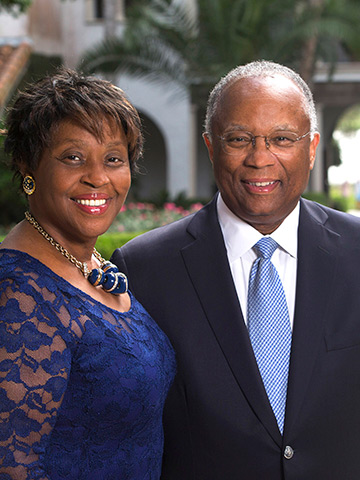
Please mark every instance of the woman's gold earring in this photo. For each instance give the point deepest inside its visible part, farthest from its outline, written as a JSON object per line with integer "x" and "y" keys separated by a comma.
{"x": 28, "y": 185}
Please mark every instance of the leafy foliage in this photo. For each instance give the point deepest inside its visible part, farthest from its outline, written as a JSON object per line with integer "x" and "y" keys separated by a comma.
{"x": 12, "y": 202}
{"x": 164, "y": 39}
{"x": 350, "y": 121}
{"x": 108, "y": 242}
{"x": 15, "y": 6}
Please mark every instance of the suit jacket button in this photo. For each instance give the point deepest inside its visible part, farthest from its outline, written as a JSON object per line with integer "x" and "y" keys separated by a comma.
{"x": 288, "y": 452}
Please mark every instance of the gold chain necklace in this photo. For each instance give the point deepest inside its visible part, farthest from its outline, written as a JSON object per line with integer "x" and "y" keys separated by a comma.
{"x": 108, "y": 275}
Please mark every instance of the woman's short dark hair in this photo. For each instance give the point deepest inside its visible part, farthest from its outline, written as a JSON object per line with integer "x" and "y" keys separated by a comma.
{"x": 67, "y": 95}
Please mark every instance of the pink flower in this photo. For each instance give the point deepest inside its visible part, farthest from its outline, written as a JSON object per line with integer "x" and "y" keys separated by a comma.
{"x": 196, "y": 206}
{"x": 170, "y": 206}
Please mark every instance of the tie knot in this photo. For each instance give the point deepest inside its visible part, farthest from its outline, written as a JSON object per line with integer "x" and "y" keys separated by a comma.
{"x": 266, "y": 247}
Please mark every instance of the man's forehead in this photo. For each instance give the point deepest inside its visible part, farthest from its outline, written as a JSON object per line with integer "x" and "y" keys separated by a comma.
{"x": 274, "y": 81}
{"x": 246, "y": 98}
{"x": 271, "y": 89}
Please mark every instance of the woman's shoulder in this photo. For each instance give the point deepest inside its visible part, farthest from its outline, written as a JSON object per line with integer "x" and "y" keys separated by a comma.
{"x": 26, "y": 277}
{"x": 13, "y": 255}
{"x": 21, "y": 265}
{"x": 15, "y": 264}
{"x": 28, "y": 290}
{"x": 26, "y": 274}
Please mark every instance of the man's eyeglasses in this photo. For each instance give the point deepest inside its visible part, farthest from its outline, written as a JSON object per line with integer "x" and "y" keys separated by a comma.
{"x": 239, "y": 142}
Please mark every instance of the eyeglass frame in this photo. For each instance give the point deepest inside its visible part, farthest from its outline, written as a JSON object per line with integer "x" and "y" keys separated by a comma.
{"x": 265, "y": 137}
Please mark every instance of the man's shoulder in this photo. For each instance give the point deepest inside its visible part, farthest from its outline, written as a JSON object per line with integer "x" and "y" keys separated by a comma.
{"x": 331, "y": 218}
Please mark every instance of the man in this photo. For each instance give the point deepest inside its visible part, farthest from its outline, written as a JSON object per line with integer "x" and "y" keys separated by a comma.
{"x": 222, "y": 418}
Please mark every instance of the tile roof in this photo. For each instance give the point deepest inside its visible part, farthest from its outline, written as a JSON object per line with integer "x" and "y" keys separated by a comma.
{"x": 13, "y": 61}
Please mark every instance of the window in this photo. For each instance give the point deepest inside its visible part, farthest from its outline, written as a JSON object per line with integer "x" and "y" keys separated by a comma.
{"x": 98, "y": 9}
{"x": 95, "y": 9}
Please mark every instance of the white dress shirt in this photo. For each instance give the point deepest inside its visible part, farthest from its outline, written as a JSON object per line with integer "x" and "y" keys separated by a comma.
{"x": 240, "y": 237}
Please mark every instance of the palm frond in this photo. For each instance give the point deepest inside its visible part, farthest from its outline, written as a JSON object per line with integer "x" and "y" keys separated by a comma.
{"x": 164, "y": 40}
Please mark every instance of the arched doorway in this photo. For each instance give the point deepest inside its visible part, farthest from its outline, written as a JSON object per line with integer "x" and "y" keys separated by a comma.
{"x": 333, "y": 97}
{"x": 150, "y": 182}
{"x": 344, "y": 174}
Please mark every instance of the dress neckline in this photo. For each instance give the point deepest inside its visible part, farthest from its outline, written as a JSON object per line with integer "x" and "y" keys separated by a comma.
{"x": 68, "y": 284}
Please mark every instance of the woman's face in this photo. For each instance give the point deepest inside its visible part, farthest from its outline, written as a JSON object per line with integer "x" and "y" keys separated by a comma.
{"x": 81, "y": 182}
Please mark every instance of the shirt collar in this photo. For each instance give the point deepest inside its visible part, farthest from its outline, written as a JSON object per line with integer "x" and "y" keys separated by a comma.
{"x": 240, "y": 237}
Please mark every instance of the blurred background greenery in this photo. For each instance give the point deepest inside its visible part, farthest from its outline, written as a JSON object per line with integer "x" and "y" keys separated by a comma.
{"x": 167, "y": 41}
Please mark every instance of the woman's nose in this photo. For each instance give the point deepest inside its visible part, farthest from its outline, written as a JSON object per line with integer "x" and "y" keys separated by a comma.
{"x": 95, "y": 174}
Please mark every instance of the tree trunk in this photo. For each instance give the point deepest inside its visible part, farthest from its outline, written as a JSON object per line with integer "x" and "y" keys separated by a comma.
{"x": 308, "y": 54}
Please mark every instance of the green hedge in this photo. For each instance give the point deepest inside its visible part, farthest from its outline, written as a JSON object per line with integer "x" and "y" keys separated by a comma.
{"x": 334, "y": 200}
{"x": 107, "y": 243}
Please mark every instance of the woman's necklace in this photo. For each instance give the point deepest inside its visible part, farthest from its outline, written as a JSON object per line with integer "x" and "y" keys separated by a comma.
{"x": 108, "y": 275}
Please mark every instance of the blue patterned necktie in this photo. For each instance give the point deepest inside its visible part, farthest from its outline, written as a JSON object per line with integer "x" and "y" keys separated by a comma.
{"x": 269, "y": 326}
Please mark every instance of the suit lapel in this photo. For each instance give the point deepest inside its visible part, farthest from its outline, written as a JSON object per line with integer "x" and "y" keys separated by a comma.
{"x": 207, "y": 264}
{"x": 317, "y": 261}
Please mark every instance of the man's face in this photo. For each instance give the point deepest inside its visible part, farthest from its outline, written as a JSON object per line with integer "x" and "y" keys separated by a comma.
{"x": 259, "y": 186}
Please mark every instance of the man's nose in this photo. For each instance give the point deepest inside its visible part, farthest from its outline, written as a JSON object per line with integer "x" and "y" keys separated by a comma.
{"x": 255, "y": 141}
{"x": 259, "y": 154}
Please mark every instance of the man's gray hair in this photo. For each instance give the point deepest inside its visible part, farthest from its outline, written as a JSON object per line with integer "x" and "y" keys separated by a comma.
{"x": 259, "y": 68}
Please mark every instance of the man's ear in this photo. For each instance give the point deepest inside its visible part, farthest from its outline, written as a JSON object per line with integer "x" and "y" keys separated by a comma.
{"x": 209, "y": 145}
{"x": 313, "y": 146}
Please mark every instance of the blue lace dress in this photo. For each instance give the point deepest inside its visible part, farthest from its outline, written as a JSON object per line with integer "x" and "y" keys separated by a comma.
{"x": 82, "y": 386}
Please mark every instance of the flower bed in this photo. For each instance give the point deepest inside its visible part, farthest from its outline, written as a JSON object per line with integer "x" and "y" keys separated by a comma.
{"x": 136, "y": 217}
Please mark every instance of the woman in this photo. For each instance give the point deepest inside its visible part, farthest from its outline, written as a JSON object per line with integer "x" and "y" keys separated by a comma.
{"x": 84, "y": 370}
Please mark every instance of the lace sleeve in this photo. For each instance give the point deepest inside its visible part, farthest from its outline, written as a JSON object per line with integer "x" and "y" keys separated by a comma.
{"x": 34, "y": 367}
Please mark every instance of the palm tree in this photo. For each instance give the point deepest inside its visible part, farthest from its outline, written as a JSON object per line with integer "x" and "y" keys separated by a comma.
{"x": 167, "y": 40}
{"x": 322, "y": 30}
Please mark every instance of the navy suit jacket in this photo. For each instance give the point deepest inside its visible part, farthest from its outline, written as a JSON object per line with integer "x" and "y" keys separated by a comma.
{"x": 218, "y": 421}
